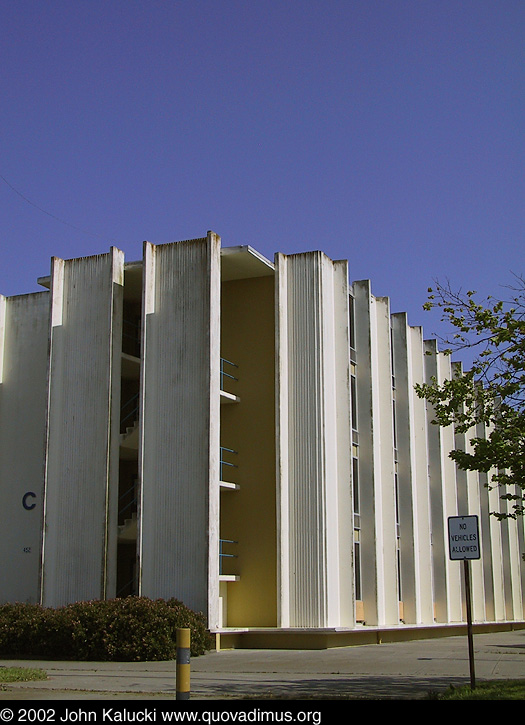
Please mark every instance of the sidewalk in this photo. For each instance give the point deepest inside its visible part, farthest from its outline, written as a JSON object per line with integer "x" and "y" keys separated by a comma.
{"x": 408, "y": 670}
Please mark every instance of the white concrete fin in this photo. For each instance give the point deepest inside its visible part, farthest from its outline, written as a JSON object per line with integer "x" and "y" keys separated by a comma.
{"x": 179, "y": 435}
{"x": 2, "y": 335}
{"x": 314, "y": 400}
{"x": 84, "y": 370}
{"x": 23, "y": 396}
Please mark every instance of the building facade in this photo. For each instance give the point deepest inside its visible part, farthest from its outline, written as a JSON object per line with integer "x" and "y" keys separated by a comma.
{"x": 242, "y": 435}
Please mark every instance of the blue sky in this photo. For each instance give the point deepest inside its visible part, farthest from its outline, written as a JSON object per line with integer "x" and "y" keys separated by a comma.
{"x": 386, "y": 132}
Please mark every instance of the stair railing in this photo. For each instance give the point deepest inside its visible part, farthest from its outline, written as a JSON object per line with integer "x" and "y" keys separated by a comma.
{"x": 226, "y": 366}
{"x": 223, "y": 555}
{"x": 129, "y": 411}
{"x": 223, "y": 462}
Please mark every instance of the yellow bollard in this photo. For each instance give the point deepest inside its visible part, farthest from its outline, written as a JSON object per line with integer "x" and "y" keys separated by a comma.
{"x": 183, "y": 664}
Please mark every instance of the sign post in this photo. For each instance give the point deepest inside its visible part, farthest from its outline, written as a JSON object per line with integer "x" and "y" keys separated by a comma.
{"x": 464, "y": 545}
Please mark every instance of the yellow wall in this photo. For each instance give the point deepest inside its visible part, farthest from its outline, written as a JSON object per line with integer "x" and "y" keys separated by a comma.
{"x": 248, "y": 515}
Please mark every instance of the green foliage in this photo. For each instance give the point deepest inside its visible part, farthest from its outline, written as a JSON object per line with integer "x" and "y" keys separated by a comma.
{"x": 494, "y": 690}
{"x": 130, "y": 629}
{"x": 487, "y": 401}
{"x": 21, "y": 674}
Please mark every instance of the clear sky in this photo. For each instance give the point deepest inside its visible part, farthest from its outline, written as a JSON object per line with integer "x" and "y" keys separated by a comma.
{"x": 386, "y": 132}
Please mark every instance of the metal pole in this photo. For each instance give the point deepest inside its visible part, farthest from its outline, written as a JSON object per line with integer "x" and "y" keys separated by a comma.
{"x": 183, "y": 664}
{"x": 466, "y": 568}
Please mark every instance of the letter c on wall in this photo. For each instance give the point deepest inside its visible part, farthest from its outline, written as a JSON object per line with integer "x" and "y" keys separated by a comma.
{"x": 25, "y": 504}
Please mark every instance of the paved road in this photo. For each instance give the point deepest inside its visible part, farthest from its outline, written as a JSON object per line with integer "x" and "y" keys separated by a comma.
{"x": 408, "y": 670}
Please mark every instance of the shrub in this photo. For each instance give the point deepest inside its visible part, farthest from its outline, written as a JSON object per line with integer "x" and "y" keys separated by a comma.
{"x": 129, "y": 629}
{"x": 20, "y": 627}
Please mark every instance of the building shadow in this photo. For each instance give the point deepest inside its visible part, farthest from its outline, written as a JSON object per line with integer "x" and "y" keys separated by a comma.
{"x": 335, "y": 688}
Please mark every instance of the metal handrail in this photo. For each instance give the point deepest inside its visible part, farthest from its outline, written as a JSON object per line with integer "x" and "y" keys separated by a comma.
{"x": 134, "y": 336}
{"x": 126, "y": 416}
{"x": 225, "y": 374}
{"x": 126, "y": 585}
{"x": 127, "y": 506}
{"x": 130, "y": 503}
{"x": 222, "y": 555}
{"x": 222, "y": 462}
{"x": 123, "y": 495}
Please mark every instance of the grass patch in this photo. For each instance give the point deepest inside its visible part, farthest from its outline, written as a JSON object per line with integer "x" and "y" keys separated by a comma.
{"x": 21, "y": 674}
{"x": 495, "y": 690}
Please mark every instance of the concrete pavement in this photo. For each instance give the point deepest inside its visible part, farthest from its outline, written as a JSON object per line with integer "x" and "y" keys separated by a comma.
{"x": 401, "y": 670}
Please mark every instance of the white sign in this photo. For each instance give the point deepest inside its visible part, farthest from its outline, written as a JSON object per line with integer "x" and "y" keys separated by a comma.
{"x": 463, "y": 537}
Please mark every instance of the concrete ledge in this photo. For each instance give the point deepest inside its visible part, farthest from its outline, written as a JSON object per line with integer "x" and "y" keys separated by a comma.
{"x": 317, "y": 639}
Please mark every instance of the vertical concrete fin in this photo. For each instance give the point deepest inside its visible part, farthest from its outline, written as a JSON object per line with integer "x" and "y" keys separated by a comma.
{"x": 343, "y": 435}
{"x": 2, "y": 336}
{"x": 214, "y": 356}
{"x": 24, "y": 321}
{"x": 180, "y": 418}
{"x": 109, "y": 560}
{"x": 443, "y": 496}
{"x": 148, "y": 280}
{"x": 376, "y": 456}
{"x": 314, "y": 414}
{"x": 412, "y": 474}
{"x": 282, "y": 457}
{"x": 83, "y": 400}
{"x": 57, "y": 291}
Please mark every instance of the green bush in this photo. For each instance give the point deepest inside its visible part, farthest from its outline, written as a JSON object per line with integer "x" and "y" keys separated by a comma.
{"x": 20, "y": 627}
{"x": 130, "y": 629}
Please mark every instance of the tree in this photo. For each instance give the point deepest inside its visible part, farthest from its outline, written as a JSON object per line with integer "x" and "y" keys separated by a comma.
{"x": 492, "y": 392}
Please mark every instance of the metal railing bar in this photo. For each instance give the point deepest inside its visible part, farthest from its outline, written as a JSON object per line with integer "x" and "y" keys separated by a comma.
{"x": 223, "y": 555}
{"x": 225, "y": 374}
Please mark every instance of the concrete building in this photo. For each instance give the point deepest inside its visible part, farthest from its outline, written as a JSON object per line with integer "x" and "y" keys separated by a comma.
{"x": 242, "y": 435}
